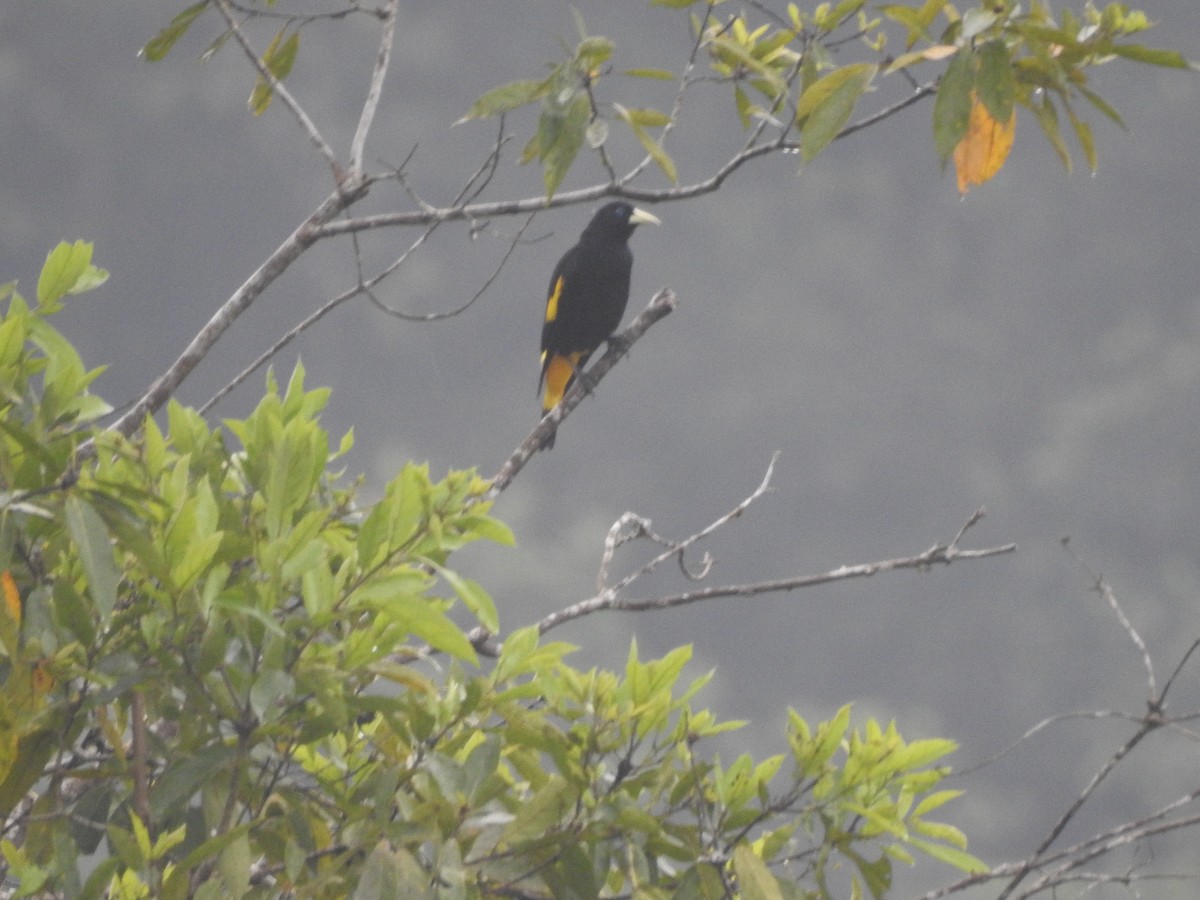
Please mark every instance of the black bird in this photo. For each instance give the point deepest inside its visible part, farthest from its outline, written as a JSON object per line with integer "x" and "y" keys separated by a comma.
{"x": 587, "y": 297}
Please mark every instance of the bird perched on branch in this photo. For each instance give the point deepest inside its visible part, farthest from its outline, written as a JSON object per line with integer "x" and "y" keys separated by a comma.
{"x": 587, "y": 297}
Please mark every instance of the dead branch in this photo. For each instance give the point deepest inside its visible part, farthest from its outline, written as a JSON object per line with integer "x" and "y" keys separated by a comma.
{"x": 938, "y": 554}
{"x": 608, "y": 599}
{"x": 383, "y": 56}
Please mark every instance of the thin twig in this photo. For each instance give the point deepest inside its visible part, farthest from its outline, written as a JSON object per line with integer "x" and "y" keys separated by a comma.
{"x": 277, "y": 88}
{"x": 680, "y": 547}
{"x": 276, "y": 264}
{"x": 938, "y": 554}
{"x": 1097, "y": 779}
{"x": 386, "y": 41}
{"x": 1162, "y": 698}
{"x": 1105, "y": 590}
{"x": 366, "y": 285}
{"x": 513, "y": 243}
{"x": 1041, "y": 726}
{"x": 685, "y": 81}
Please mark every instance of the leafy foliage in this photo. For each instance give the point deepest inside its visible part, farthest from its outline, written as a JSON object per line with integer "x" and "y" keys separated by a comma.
{"x": 998, "y": 52}
{"x": 791, "y": 72}
{"x": 221, "y": 678}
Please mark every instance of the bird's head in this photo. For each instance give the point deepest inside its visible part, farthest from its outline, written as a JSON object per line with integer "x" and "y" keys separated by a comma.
{"x": 618, "y": 219}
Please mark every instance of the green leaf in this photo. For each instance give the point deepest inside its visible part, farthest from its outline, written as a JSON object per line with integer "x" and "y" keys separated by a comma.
{"x": 734, "y": 54}
{"x": 126, "y": 846}
{"x": 390, "y": 873}
{"x": 488, "y": 529}
{"x": 653, "y": 147}
{"x": 541, "y": 813}
{"x": 1047, "y": 117}
{"x": 278, "y": 58}
{"x": 827, "y": 19}
{"x": 233, "y": 862}
{"x": 950, "y": 855}
{"x": 505, "y": 98}
{"x": 932, "y": 801}
{"x": 908, "y": 17}
{"x": 829, "y": 736}
{"x": 186, "y": 776}
{"x": 561, "y": 131}
{"x": 745, "y": 108}
{"x": 517, "y": 646}
{"x": 474, "y": 598}
{"x": 160, "y": 45}
{"x": 920, "y": 753}
{"x": 421, "y": 618}
{"x": 1171, "y": 59}
{"x": 656, "y": 74}
{"x": 673, "y": 4}
{"x": 940, "y": 831}
{"x": 68, "y": 270}
{"x": 95, "y": 552}
{"x": 952, "y": 108}
{"x": 826, "y": 105}
{"x": 877, "y": 874}
{"x": 1101, "y": 104}
{"x": 592, "y": 52}
{"x": 1083, "y": 132}
{"x": 207, "y": 851}
{"x": 996, "y": 84}
{"x": 755, "y": 880}
{"x": 22, "y": 870}
{"x": 647, "y": 118}
{"x": 292, "y": 476}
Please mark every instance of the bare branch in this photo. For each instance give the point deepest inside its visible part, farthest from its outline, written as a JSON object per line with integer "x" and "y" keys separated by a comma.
{"x": 628, "y": 528}
{"x": 1162, "y": 698}
{"x": 366, "y": 285}
{"x": 943, "y": 554}
{"x": 1106, "y": 842}
{"x": 606, "y": 599}
{"x": 1067, "y": 860}
{"x": 386, "y": 41}
{"x": 1041, "y": 726}
{"x": 241, "y": 300}
{"x": 514, "y": 242}
{"x": 1104, "y": 771}
{"x": 678, "y": 549}
{"x": 1103, "y": 588}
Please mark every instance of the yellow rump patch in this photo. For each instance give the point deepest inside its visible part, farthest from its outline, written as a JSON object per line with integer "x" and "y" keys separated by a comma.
{"x": 552, "y": 303}
{"x": 558, "y": 374}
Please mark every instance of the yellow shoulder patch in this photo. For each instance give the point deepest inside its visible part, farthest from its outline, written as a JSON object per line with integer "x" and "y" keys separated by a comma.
{"x": 552, "y": 303}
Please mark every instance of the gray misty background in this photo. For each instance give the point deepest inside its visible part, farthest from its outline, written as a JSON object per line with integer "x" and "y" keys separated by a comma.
{"x": 1034, "y": 349}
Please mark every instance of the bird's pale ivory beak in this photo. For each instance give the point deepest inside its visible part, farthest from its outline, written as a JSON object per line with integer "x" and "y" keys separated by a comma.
{"x": 641, "y": 217}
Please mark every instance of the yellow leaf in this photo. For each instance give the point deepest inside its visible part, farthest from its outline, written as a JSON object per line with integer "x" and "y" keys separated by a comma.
{"x": 938, "y": 51}
{"x": 982, "y": 151}
{"x": 12, "y": 598}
